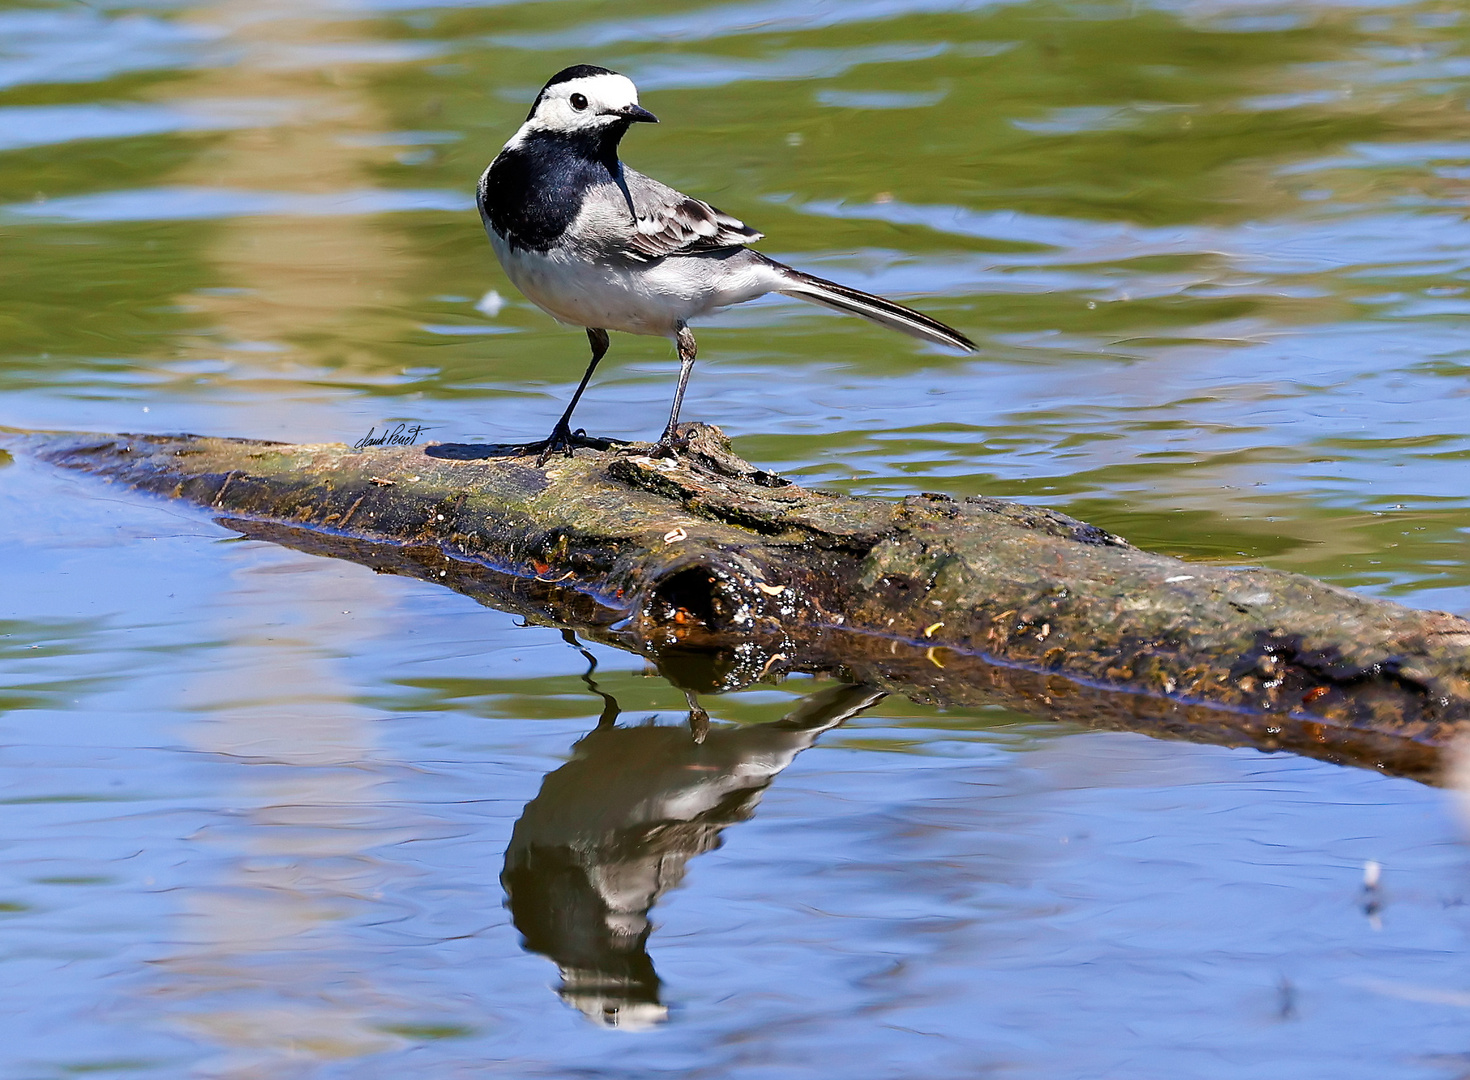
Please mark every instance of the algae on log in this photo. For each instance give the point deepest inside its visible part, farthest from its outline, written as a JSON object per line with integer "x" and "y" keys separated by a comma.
{"x": 950, "y": 602}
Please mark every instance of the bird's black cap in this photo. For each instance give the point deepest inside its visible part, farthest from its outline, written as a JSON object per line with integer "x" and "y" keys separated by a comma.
{"x": 576, "y": 71}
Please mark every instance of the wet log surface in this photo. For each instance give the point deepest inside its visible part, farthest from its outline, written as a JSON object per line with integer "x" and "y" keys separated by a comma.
{"x": 725, "y": 574}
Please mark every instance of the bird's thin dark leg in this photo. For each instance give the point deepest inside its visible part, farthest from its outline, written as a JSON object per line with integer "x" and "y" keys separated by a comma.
{"x": 685, "y": 342}
{"x": 610, "y": 709}
{"x": 561, "y": 435}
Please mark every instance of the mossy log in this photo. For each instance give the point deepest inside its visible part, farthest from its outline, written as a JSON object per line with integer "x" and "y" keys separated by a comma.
{"x": 974, "y": 602}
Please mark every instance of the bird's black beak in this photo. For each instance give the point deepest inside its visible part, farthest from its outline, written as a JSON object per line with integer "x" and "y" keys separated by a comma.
{"x": 637, "y": 114}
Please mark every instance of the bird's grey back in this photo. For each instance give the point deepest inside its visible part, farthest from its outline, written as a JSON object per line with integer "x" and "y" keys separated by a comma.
{"x": 668, "y": 222}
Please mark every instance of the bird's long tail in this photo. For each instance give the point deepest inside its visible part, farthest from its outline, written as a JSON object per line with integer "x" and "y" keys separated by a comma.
{"x": 854, "y": 302}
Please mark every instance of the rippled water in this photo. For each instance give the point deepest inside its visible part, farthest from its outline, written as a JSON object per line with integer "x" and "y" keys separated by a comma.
{"x": 261, "y": 810}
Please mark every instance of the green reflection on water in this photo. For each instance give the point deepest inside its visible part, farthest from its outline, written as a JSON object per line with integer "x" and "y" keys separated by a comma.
{"x": 1108, "y": 198}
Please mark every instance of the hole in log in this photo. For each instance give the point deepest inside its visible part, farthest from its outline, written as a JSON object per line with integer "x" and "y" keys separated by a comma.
{"x": 687, "y": 597}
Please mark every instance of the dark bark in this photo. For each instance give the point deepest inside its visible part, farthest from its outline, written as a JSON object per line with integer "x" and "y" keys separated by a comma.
{"x": 971, "y": 602}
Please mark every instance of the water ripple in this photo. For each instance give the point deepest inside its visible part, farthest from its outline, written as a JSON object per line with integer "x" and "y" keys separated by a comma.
{"x": 730, "y": 20}
{"x": 83, "y": 46}
{"x": 691, "y": 71}
{"x": 196, "y": 203}
{"x": 1423, "y": 242}
{"x": 43, "y": 125}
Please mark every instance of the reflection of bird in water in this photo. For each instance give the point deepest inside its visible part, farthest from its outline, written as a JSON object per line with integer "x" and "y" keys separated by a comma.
{"x": 611, "y": 830}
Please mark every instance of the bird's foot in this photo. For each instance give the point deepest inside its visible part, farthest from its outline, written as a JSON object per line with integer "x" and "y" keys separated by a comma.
{"x": 670, "y": 445}
{"x": 562, "y": 438}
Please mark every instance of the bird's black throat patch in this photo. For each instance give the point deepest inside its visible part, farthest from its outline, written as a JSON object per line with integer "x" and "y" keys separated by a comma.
{"x": 533, "y": 192}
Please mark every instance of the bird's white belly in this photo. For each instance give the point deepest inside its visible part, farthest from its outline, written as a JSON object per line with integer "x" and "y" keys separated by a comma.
{"x": 650, "y": 298}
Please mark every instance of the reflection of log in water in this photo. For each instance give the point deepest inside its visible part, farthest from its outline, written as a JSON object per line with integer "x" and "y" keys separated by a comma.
{"x": 612, "y": 830}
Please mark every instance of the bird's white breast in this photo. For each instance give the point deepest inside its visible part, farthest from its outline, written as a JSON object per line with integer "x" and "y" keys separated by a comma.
{"x": 579, "y": 282}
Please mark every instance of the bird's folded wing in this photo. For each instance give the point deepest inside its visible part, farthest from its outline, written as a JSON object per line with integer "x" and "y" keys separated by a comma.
{"x": 668, "y": 222}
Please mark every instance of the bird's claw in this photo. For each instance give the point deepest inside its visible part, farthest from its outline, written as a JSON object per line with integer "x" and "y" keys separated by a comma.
{"x": 561, "y": 438}
{"x": 669, "y": 446}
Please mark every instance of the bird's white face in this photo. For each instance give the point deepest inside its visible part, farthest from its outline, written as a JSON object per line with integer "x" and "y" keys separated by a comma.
{"x": 587, "y": 104}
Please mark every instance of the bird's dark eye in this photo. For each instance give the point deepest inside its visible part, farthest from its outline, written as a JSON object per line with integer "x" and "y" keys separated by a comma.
{"x": 579, "y": 102}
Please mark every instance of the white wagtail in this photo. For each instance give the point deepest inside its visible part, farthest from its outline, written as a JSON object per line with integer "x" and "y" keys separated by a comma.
{"x": 599, "y": 245}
